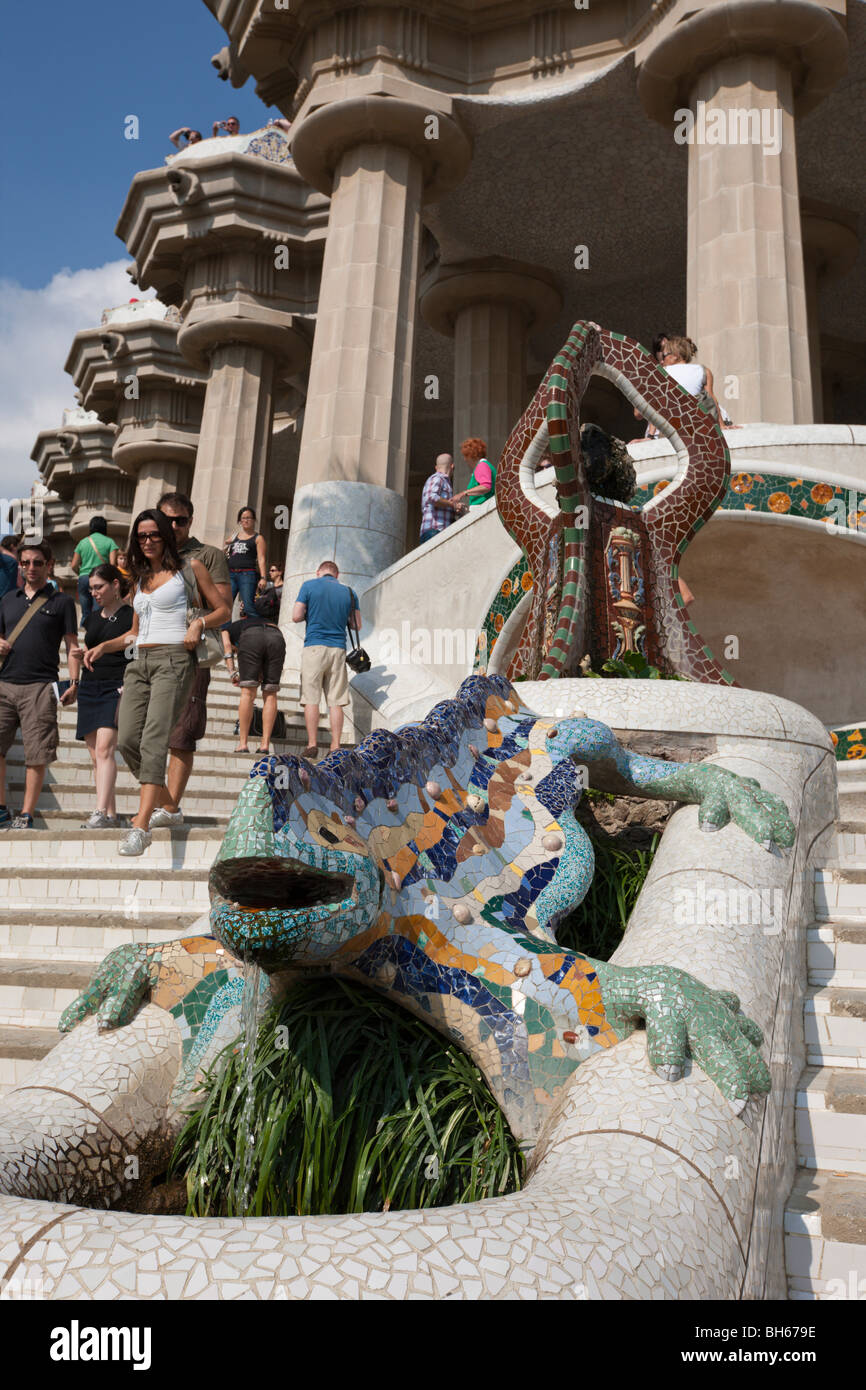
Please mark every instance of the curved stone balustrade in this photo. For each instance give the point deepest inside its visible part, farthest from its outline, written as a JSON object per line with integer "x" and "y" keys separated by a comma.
{"x": 758, "y": 575}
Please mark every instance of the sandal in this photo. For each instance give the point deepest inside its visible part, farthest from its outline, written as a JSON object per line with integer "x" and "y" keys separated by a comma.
{"x": 311, "y": 751}
{"x": 243, "y": 750}
{"x": 266, "y": 751}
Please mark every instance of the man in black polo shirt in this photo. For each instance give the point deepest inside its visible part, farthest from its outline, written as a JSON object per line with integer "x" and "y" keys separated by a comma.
{"x": 29, "y": 669}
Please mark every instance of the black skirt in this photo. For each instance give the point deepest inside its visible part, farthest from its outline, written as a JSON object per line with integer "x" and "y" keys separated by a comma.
{"x": 97, "y": 706}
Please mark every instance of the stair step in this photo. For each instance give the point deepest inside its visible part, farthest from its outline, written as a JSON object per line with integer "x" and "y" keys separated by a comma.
{"x": 86, "y": 932}
{"x": 825, "y": 1236}
{"x": 830, "y": 1119}
{"x": 26, "y": 1043}
{"x": 840, "y": 890}
{"x": 29, "y": 851}
{"x": 836, "y": 953}
{"x": 835, "y": 1026}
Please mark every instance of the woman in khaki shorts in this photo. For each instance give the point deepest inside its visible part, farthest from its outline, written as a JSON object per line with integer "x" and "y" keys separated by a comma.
{"x": 163, "y": 644}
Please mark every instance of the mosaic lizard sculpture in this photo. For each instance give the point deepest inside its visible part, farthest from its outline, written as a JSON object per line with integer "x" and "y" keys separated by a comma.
{"x": 434, "y": 864}
{"x": 602, "y": 575}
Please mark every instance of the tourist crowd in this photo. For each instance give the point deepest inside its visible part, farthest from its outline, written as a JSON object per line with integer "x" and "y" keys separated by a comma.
{"x": 155, "y": 619}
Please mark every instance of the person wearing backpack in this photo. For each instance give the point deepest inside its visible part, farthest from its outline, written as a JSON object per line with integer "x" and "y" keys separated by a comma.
{"x": 93, "y": 550}
{"x": 163, "y": 670}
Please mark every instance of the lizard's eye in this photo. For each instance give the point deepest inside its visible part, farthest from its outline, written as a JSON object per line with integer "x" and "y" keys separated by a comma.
{"x": 553, "y": 733}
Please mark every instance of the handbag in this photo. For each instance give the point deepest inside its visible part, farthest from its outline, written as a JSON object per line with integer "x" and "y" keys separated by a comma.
{"x": 256, "y": 728}
{"x": 22, "y": 623}
{"x": 357, "y": 659}
{"x": 209, "y": 651}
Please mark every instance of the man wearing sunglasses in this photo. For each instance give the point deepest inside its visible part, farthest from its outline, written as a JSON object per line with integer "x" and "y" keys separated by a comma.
{"x": 192, "y": 721}
{"x": 30, "y": 669}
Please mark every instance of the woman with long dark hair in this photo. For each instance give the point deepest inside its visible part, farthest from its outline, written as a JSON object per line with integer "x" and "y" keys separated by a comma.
{"x": 161, "y": 674}
{"x": 101, "y": 687}
{"x": 247, "y": 560}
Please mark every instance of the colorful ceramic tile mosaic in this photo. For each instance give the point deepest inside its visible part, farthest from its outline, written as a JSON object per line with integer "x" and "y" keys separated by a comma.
{"x": 779, "y": 495}
{"x": 434, "y": 864}
{"x": 849, "y": 744}
{"x": 604, "y": 575}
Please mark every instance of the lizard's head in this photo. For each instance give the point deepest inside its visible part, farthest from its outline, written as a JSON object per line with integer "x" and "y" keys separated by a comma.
{"x": 273, "y": 906}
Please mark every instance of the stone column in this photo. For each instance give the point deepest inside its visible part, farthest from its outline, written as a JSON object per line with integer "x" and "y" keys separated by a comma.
{"x": 744, "y": 70}
{"x": 232, "y": 236}
{"x": 235, "y": 433}
{"x": 131, "y": 372}
{"x": 489, "y": 307}
{"x": 830, "y": 247}
{"x": 379, "y": 152}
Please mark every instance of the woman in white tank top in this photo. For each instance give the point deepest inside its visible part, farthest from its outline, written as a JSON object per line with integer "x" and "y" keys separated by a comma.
{"x": 163, "y": 644}
{"x": 696, "y": 379}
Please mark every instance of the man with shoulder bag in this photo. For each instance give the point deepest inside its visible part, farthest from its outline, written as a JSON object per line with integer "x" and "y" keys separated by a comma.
{"x": 34, "y": 620}
{"x": 329, "y": 609}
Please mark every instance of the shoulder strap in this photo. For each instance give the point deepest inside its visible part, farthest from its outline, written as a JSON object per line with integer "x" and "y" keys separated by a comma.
{"x": 354, "y": 639}
{"x": 24, "y": 620}
{"x": 189, "y": 579}
{"x": 97, "y": 552}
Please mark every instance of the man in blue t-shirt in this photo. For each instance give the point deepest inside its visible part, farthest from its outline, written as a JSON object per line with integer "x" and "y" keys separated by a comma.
{"x": 328, "y": 608}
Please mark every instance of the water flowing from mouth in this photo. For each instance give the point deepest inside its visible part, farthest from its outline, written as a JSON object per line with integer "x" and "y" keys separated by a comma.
{"x": 247, "y": 1135}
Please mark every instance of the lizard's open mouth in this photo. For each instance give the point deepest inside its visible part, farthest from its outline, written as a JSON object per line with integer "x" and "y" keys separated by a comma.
{"x": 257, "y": 883}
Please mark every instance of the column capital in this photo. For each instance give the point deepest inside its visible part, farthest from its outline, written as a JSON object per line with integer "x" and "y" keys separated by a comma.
{"x": 76, "y": 461}
{"x": 448, "y": 289}
{"x": 379, "y": 109}
{"x": 211, "y": 325}
{"x": 807, "y": 36}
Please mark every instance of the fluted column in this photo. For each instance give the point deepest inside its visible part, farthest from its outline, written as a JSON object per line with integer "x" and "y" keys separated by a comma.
{"x": 371, "y": 152}
{"x": 131, "y": 372}
{"x": 231, "y": 236}
{"x": 744, "y": 70}
{"x": 489, "y": 307}
{"x": 235, "y": 435}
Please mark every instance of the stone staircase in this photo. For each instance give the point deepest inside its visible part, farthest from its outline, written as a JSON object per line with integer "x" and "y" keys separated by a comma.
{"x": 825, "y": 1218}
{"x": 67, "y": 896}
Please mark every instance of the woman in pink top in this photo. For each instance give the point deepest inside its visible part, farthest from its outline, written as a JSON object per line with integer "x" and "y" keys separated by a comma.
{"x": 482, "y": 484}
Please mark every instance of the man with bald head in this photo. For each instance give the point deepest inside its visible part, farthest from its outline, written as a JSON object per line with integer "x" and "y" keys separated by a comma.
{"x": 439, "y": 506}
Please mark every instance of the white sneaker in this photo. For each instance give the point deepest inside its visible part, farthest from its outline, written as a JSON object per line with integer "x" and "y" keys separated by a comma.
{"x": 135, "y": 841}
{"x": 100, "y": 820}
{"x": 162, "y": 817}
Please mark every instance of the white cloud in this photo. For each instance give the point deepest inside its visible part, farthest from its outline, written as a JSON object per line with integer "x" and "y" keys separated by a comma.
{"x": 36, "y": 332}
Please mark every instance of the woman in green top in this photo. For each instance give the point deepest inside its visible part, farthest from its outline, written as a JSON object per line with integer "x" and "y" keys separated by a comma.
{"x": 94, "y": 550}
{"x": 482, "y": 484}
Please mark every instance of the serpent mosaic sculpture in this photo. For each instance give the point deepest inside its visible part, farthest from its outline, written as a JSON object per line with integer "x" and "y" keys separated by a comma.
{"x": 434, "y": 864}
{"x": 603, "y": 575}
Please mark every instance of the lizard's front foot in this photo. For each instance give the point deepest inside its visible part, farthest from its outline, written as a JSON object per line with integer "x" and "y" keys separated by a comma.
{"x": 724, "y": 796}
{"x": 685, "y": 1018}
{"x": 116, "y": 990}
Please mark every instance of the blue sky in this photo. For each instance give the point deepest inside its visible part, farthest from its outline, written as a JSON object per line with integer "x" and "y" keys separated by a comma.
{"x": 72, "y": 74}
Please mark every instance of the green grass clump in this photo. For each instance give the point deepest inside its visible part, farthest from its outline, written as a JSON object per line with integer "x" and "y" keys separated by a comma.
{"x": 366, "y": 1109}
{"x": 596, "y": 927}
